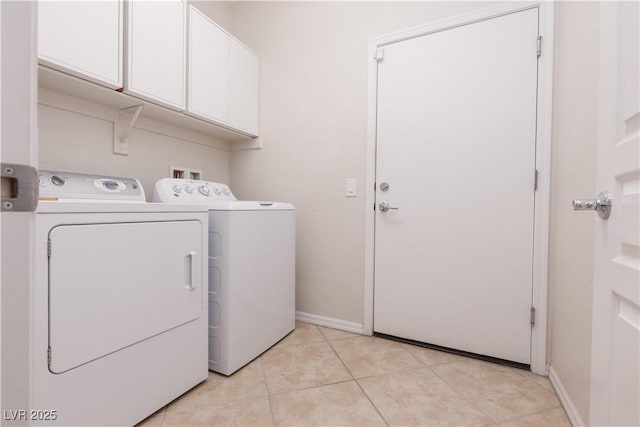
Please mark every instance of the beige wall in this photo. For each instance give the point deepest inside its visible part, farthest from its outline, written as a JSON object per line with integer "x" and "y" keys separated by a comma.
{"x": 218, "y": 11}
{"x": 80, "y": 143}
{"x": 574, "y": 176}
{"x": 313, "y": 117}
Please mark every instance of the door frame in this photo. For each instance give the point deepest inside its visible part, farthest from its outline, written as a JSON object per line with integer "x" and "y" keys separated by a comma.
{"x": 543, "y": 160}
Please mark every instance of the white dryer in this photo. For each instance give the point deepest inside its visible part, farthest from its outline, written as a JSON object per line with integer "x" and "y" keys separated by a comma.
{"x": 120, "y": 313}
{"x": 251, "y": 270}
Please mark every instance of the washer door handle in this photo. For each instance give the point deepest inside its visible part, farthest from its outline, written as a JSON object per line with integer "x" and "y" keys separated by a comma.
{"x": 192, "y": 271}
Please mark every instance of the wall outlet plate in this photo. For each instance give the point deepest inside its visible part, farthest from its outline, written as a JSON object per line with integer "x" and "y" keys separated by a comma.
{"x": 180, "y": 172}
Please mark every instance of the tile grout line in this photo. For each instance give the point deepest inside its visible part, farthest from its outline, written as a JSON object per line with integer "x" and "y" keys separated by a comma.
{"x": 463, "y": 396}
{"x": 325, "y": 341}
{"x": 552, "y": 390}
{"x": 279, "y": 393}
{"x": 522, "y": 375}
{"x": 266, "y": 385}
{"x": 164, "y": 411}
{"x": 536, "y": 412}
{"x": 386, "y": 423}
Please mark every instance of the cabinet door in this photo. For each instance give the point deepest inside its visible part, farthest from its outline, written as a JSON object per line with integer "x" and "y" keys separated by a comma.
{"x": 156, "y": 51}
{"x": 83, "y": 39}
{"x": 208, "y": 87}
{"x": 244, "y": 88}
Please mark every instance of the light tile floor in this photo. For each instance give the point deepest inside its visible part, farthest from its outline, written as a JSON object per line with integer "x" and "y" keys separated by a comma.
{"x": 324, "y": 377}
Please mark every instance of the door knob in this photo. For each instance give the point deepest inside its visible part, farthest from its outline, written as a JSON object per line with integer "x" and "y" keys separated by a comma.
{"x": 602, "y": 204}
{"x": 384, "y": 206}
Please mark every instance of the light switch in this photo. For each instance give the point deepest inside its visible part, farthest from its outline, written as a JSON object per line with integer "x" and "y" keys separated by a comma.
{"x": 351, "y": 187}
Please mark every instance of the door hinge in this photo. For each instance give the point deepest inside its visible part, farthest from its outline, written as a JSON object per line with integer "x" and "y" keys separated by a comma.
{"x": 533, "y": 316}
{"x": 49, "y": 248}
{"x": 535, "y": 180}
{"x": 49, "y": 356}
{"x": 379, "y": 55}
{"x": 539, "y": 46}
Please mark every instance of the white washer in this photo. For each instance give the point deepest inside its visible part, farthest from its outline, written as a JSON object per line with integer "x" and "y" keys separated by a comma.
{"x": 120, "y": 313}
{"x": 251, "y": 270}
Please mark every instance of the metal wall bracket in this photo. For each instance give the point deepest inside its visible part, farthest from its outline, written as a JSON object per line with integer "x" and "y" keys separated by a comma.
{"x": 20, "y": 186}
{"x": 125, "y": 121}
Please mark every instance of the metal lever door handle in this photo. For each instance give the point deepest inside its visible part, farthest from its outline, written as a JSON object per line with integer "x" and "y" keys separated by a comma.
{"x": 384, "y": 206}
{"x": 602, "y": 204}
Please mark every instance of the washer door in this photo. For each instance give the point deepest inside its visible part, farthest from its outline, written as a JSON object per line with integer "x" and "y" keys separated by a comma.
{"x": 113, "y": 285}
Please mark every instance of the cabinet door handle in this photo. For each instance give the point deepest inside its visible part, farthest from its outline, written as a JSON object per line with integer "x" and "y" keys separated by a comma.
{"x": 192, "y": 271}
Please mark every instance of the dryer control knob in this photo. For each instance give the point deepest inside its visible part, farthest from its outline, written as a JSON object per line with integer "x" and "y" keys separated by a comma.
{"x": 188, "y": 189}
{"x": 226, "y": 192}
{"x": 177, "y": 188}
{"x": 204, "y": 190}
{"x": 56, "y": 180}
{"x": 217, "y": 191}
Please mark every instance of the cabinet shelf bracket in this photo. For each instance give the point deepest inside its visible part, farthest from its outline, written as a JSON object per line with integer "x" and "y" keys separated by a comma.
{"x": 122, "y": 126}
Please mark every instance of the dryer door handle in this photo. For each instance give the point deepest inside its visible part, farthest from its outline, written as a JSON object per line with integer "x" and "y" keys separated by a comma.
{"x": 192, "y": 271}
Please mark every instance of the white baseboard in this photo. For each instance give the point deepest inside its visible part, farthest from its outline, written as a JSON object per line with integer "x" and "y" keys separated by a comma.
{"x": 567, "y": 403}
{"x": 330, "y": 322}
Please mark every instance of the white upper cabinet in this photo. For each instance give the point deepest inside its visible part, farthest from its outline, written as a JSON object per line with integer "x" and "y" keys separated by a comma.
{"x": 156, "y": 47}
{"x": 82, "y": 38}
{"x": 244, "y": 88}
{"x": 223, "y": 77}
{"x": 166, "y": 53}
{"x": 208, "y": 84}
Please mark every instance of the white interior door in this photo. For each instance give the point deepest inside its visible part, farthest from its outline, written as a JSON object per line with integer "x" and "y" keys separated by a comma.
{"x": 615, "y": 374}
{"x": 18, "y": 77}
{"x": 456, "y": 136}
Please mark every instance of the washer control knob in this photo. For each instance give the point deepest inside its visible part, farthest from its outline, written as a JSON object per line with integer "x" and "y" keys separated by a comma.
{"x": 111, "y": 185}
{"x": 188, "y": 189}
{"x": 204, "y": 190}
{"x": 226, "y": 192}
{"x": 177, "y": 188}
{"x": 218, "y": 191}
{"x": 56, "y": 180}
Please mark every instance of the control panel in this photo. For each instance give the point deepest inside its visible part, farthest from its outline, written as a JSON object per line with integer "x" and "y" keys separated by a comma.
{"x": 190, "y": 191}
{"x": 71, "y": 185}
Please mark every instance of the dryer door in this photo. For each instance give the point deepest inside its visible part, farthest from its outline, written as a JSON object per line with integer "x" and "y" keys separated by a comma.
{"x": 113, "y": 285}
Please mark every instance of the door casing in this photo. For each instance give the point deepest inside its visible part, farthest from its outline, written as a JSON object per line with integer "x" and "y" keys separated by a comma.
{"x": 543, "y": 161}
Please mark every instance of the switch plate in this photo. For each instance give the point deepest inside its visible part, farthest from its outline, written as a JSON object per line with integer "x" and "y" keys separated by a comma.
{"x": 352, "y": 184}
